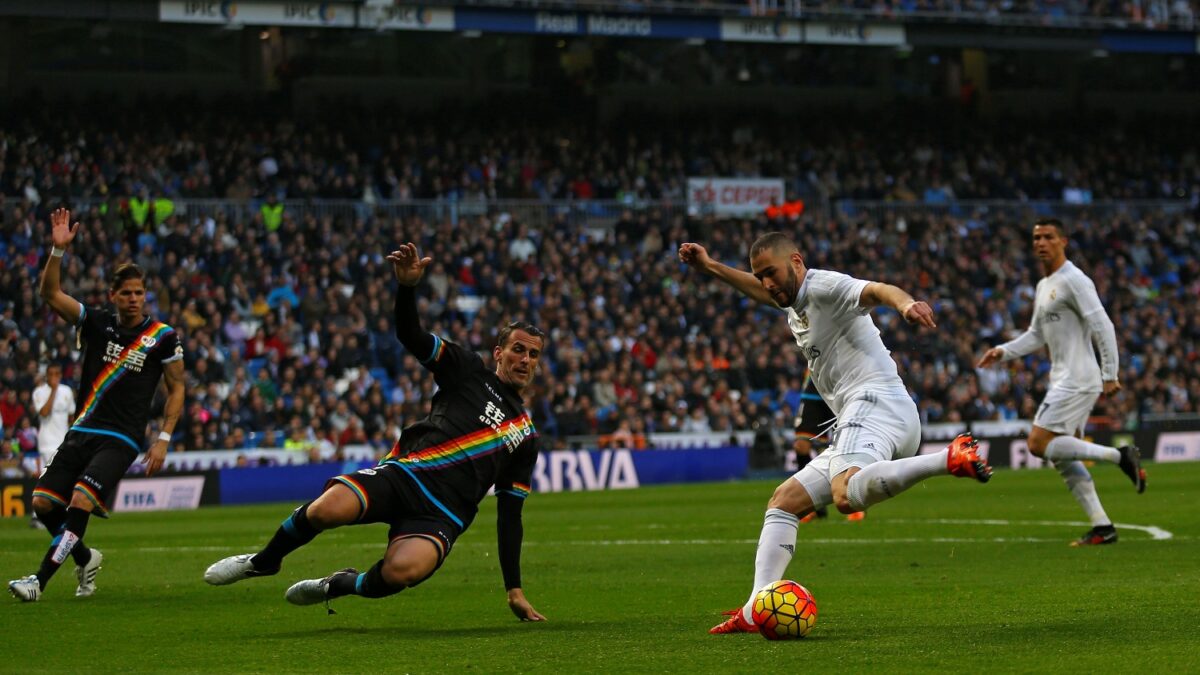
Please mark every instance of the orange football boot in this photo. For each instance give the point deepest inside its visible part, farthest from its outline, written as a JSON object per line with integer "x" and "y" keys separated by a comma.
{"x": 734, "y": 624}
{"x": 964, "y": 461}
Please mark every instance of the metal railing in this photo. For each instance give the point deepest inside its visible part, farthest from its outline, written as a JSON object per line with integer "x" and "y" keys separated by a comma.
{"x": 1011, "y": 209}
{"x": 537, "y": 213}
{"x": 600, "y": 214}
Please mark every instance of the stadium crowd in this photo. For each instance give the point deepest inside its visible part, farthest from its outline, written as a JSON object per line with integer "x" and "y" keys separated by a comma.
{"x": 182, "y": 149}
{"x": 287, "y": 320}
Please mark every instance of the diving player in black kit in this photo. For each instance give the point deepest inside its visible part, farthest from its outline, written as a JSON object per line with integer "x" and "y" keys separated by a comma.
{"x": 429, "y": 486}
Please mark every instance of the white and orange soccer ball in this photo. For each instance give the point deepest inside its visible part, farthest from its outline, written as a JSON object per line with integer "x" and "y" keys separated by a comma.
{"x": 784, "y": 610}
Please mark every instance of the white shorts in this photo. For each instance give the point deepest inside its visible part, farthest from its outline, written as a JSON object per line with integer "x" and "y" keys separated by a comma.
{"x": 32, "y": 465}
{"x": 1065, "y": 412}
{"x": 873, "y": 427}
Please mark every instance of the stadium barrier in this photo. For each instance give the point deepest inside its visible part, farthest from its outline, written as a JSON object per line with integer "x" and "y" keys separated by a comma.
{"x": 557, "y": 471}
{"x": 171, "y": 490}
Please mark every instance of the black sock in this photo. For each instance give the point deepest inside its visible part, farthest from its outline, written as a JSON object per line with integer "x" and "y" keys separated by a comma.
{"x": 53, "y": 520}
{"x": 74, "y": 525}
{"x": 295, "y": 532}
{"x": 370, "y": 584}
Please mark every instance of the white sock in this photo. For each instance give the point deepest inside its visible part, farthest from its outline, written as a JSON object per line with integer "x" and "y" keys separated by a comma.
{"x": 776, "y": 544}
{"x": 1069, "y": 448}
{"x": 884, "y": 480}
{"x": 1080, "y": 483}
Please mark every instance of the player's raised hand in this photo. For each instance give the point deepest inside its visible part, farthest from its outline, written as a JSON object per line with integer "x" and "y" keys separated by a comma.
{"x": 694, "y": 255}
{"x": 919, "y": 312}
{"x": 408, "y": 264}
{"x": 61, "y": 229}
{"x": 989, "y": 357}
{"x": 521, "y": 607}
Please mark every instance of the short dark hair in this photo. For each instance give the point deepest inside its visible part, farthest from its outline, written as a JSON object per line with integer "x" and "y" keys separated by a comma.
{"x": 773, "y": 241}
{"x": 1052, "y": 222}
{"x": 125, "y": 272}
{"x": 505, "y": 333}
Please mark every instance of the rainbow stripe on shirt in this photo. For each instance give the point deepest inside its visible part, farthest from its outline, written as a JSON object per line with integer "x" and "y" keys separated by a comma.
{"x": 114, "y": 371}
{"x": 464, "y": 448}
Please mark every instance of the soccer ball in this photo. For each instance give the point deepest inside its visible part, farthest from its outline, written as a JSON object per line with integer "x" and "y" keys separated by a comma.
{"x": 784, "y": 610}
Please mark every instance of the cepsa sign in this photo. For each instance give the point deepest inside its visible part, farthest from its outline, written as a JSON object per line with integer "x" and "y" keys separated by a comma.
{"x": 733, "y": 196}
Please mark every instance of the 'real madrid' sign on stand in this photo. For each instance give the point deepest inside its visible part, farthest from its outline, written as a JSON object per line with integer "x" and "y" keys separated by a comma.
{"x": 733, "y": 196}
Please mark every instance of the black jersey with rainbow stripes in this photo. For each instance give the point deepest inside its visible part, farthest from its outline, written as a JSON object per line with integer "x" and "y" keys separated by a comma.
{"x": 121, "y": 370}
{"x": 478, "y": 435}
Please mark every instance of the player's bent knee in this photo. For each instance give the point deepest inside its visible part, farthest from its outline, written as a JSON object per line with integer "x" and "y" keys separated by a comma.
{"x": 406, "y": 571}
{"x": 790, "y": 496}
{"x": 336, "y": 507}
{"x": 842, "y": 502}
{"x": 41, "y": 505}
{"x": 79, "y": 501}
{"x": 1037, "y": 444}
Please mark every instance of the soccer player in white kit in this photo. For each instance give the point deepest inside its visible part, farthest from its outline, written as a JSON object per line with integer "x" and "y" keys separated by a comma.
{"x": 873, "y": 455}
{"x": 54, "y": 402}
{"x": 1068, "y": 318}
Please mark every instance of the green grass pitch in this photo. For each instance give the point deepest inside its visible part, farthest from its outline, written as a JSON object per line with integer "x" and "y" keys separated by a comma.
{"x": 951, "y": 576}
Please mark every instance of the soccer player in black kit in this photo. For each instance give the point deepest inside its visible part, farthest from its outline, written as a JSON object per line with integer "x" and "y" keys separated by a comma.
{"x": 478, "y": 435}
{"x": 125, "y": 353}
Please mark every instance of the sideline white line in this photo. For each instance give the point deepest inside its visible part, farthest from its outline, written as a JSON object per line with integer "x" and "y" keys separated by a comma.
{"x": 1153, "y": 531}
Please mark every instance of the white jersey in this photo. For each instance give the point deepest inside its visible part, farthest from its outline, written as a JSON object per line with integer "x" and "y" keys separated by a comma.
{"x": 844, "y": 351}
{"x": 52, "y": 429}
{"x": 1067, "y": 316}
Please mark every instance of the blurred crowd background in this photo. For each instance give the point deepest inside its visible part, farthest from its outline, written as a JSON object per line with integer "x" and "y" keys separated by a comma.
{"x": 285, "y": 304}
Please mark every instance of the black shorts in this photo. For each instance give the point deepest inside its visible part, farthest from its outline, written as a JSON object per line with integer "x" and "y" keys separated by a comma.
{"x": 388, "y": 495}
{"x": 90, "y": 464}
{"x": 814, "y": 418}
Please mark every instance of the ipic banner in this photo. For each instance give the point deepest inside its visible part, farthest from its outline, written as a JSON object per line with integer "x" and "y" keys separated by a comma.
{"x": 854, "y": 33}
{"x": 406, "y": 17}
{"x": 733, "y": 196}
{"x": 750, "y": 29}
{"x": 262, "y": 13}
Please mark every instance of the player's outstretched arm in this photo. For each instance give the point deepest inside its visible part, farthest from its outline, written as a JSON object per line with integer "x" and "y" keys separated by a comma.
{"x": 990, "y": 357}
{"x": 696, "y": 257}
{"x": 408, "y": 264}
{"x": 62, "y": 232}
{"x": 510, "y": 532}
{"x": 875, "y": 294}
{"x": 1026, "y": 343}
{"x": 409, "y": 267}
